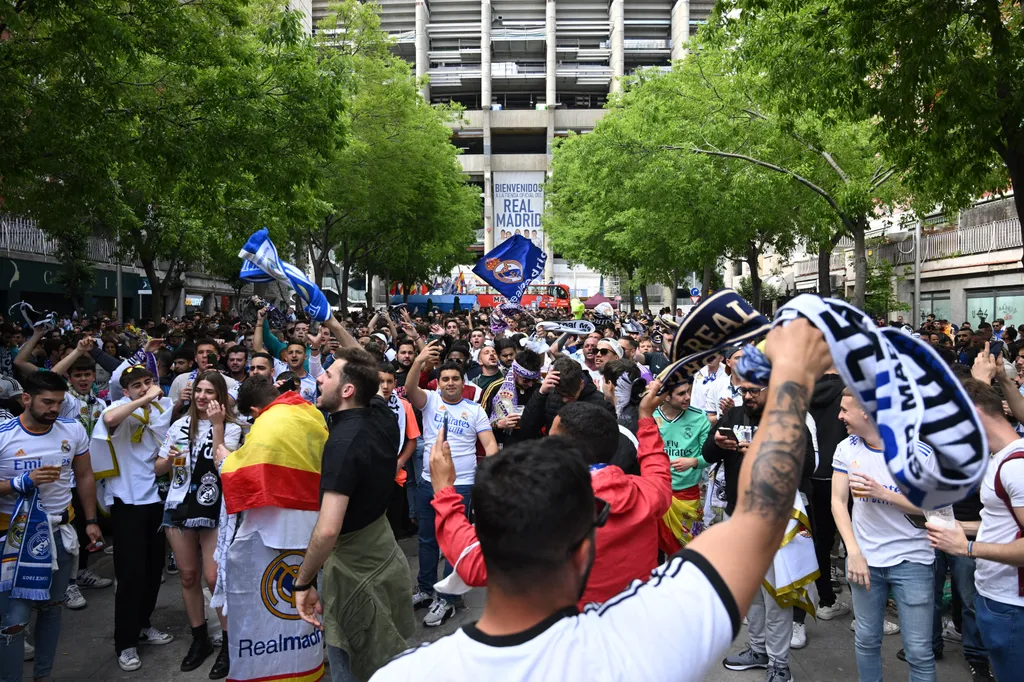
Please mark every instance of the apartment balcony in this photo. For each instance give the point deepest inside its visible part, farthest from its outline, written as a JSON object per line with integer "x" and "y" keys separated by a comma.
{"x": 577, "y": 119}
{"x": 968, "y": 241}
{"x": 21, "y": 236}
{"x": 472, "y": 164}
{"x": 519, "y": 118}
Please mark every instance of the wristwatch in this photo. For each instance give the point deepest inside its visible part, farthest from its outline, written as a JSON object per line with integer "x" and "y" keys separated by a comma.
{"x": 92, "y": 522}
{"x": 303, "y": 588}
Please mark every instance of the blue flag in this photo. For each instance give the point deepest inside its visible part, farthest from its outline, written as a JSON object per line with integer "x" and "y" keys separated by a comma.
{"x": 262, "y": 264}
{"x": 511, "y": 266}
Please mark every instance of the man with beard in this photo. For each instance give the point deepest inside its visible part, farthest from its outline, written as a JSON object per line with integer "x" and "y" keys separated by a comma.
{"x": 403, "y": 362}
{"x": 490, "y": 371}
{"x": 38, "y": 453}
{"x": 507, "y": 350}
{"x": 505, "y": 401}
{"x": 237, "y": 358}
{"x": 771, "y": 627}
{"x": 352, "y": 540}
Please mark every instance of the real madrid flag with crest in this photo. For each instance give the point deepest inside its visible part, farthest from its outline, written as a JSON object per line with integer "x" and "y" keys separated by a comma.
{"x": 511, "y": 266}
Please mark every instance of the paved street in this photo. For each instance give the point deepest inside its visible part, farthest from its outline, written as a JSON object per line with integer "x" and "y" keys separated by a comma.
{"x": 86, "y": 645}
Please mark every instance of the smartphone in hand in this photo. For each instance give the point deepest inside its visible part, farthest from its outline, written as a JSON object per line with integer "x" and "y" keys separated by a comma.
{"x": 728, "y": 433}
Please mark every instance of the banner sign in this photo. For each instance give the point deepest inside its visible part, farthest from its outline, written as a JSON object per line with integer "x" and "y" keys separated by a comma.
{"x": 519, "y": 206}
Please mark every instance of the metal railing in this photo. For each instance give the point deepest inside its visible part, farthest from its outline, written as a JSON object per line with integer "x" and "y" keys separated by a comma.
{"x": 21, "y": 235}
{"x": 967, "y": 241}
{"x": 810, "y": 267}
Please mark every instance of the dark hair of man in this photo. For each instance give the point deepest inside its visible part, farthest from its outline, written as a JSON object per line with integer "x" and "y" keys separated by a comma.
{"x": 134, "y": 374}
{"x": 530, "y": 360}
{"x": 208, "y": 342}
{"x": 296, "y": 343}
{"x": 405, "y": 341}
{"x": 41, "y": 382}
{"x": 459, "y": 347}
{"x": 533, "y": 504}
{"x": 984, "y": 397}
{"x": 592, "y": 428}
{"x": 503, "y": 343}
{"x": 266, "y": 356}
{"x": 614, "y": 369}
{"x": 451, "y": 366}
{"x": 374, "y": 350}
{"x": 164, "y": 358}
{"x": 53, "y": 345}
{"x": 256, "y": 391}
{"x": 360, "y": 371}
{"x": 237, "y": 349}
{"x": 984, "y": 325}
{"x": 160, "y": 331}
{"x": 570, "y": 376}
{"x": 83, "y": 363}
{"x": 386, "y": 368}
{"x": 628, "y": 340}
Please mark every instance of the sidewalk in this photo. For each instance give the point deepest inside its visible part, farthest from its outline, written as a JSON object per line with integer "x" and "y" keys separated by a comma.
{"x": 86, "y": 649}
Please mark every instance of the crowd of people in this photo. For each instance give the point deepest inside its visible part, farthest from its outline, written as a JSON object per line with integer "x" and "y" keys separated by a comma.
{"x": 597, "y": 504}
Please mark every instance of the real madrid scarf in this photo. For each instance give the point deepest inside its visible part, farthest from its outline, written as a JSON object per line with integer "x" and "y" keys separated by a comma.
{"x": 907, "y": 390}
{"x": 194, "y": 497}
{"x": 28, "y": 557}
{"x": 395, "y": 403}
{"x": 506, "y": 400}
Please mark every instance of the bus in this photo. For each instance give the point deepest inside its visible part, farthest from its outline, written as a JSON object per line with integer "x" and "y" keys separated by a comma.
{"x": 536, "y": 296}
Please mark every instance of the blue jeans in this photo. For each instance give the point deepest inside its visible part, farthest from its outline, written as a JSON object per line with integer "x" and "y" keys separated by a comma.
{"x": 341, "y": 669}
{"x": 16, "y": 613}
{"x": 414, "y": 467}
{"x": 912, "y": 587}
{"x": 1002, "y": 630}
{"x": 430, "y": 554}
{"x": 962, "y": 569}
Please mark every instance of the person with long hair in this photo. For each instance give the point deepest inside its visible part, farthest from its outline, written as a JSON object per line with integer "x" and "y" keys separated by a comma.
{"x": 192, "y": 508}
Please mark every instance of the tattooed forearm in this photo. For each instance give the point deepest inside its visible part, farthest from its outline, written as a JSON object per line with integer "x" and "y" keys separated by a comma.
{"x": 779, "y": 457}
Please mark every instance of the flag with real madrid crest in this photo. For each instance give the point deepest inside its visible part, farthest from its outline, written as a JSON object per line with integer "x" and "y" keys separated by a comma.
{"x": 511, "y": 266}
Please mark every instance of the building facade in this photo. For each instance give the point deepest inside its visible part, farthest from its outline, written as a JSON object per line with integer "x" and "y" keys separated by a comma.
{"x": 528, "y": 72}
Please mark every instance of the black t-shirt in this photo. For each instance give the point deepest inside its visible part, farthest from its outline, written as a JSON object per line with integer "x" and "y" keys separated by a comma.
{"x": 360, "y": 460}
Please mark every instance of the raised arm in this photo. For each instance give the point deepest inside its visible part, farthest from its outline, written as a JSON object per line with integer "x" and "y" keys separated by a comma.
{"x": 22, "y": 362}
{"x": 114, "y": 415}
{"x": 655, "y": 480}
{"x": 426, "y": 360}
{"x": 257, "y": 333}
{"x": 345, "y": 339}
{"x": 742, "y": 548}
{"x": 85, "y": 345}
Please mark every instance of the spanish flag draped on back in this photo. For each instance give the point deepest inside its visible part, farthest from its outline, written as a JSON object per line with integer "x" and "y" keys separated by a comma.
{"x": 279, "y": 464}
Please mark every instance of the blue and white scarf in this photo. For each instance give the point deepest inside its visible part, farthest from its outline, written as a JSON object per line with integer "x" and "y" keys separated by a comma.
{"x": 262, "y": 264}
{"x": 28, "y": 556}
{"x": 906, "y": 389}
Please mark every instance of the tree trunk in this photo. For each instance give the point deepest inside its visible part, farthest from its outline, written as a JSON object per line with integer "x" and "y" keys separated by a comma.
{"x": 860, "y": 263}
{"x": 824, "y": 270}
{"x": 343, "y": 284}
{"x": 644, "y": 302}
{"x": 705, "y": 280}
{"x": 157, "y": 285}
{"x": 1015, "y": 166}
{"x": 755, "y": 277}
{"x": 369, "y": 291}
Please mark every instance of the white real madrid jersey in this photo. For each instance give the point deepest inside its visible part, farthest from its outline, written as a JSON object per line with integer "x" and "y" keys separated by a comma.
{"x": 22, "y": 451}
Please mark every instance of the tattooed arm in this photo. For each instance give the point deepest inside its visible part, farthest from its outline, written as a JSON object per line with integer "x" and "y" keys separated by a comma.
{"x": 742, "y": 548}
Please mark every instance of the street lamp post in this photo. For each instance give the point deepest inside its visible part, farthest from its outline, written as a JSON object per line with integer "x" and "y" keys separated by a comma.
{"x": 120, "y": 294}
{"x": 917, "y": 274}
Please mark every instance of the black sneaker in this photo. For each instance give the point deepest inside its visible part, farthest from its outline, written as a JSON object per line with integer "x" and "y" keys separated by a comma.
{"x": 198, "y": 652}
{"x": 980, "y": 672}
{"x": 221, "y": 666}
{"x": 901, "y": 654}
{"x": 172, "y": 565}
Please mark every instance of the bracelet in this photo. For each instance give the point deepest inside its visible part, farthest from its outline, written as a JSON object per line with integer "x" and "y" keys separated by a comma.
{"x": 970, "y": 548}
{"x": 303, "y": 588}
{"x": 92, "y": 522}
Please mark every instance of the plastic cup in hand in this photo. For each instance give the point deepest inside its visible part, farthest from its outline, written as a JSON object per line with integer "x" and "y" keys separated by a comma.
{"x": 943, "y": 516}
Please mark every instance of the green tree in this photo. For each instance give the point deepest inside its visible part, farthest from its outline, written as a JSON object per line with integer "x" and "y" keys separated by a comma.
{"x": 942, "y": 81}
{"x": 881, "y": 299}
{"x": 394, "y": 200}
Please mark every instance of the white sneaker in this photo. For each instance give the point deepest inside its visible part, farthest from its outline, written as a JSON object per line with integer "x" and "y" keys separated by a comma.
{"x": 129, "y": 660}
{"x": 890, "y": 628}
{"x": 151, "y": 635}
{"x": 30, "y": 652}
{"x": 440, "y": 611}
{"x": 87, "y": 580}
{"x": 73, "y": 598}
{"x": 834, "y": 611}
{"x": 949, "y": 631}
{"x": 799, "y": 638}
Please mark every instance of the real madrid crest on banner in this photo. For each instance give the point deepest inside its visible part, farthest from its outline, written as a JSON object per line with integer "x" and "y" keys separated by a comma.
{"x": 208, "y": 492}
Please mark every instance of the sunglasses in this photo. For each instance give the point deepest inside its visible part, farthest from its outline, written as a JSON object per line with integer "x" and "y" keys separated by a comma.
{"x": 754, "y": 392}
{"x": 605, "y": 351}
{"x": 602, "y": 509}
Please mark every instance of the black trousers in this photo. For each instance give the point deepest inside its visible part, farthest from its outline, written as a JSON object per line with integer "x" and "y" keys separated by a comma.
{"x": 824, "y": 535}
{"x": 139, "y": 547}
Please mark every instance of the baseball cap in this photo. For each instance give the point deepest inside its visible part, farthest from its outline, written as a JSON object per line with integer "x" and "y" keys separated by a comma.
{"x": 9, "y": 388}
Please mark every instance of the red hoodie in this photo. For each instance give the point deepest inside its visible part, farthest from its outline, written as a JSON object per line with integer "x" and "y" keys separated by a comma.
{"x": 627, "y": 545}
